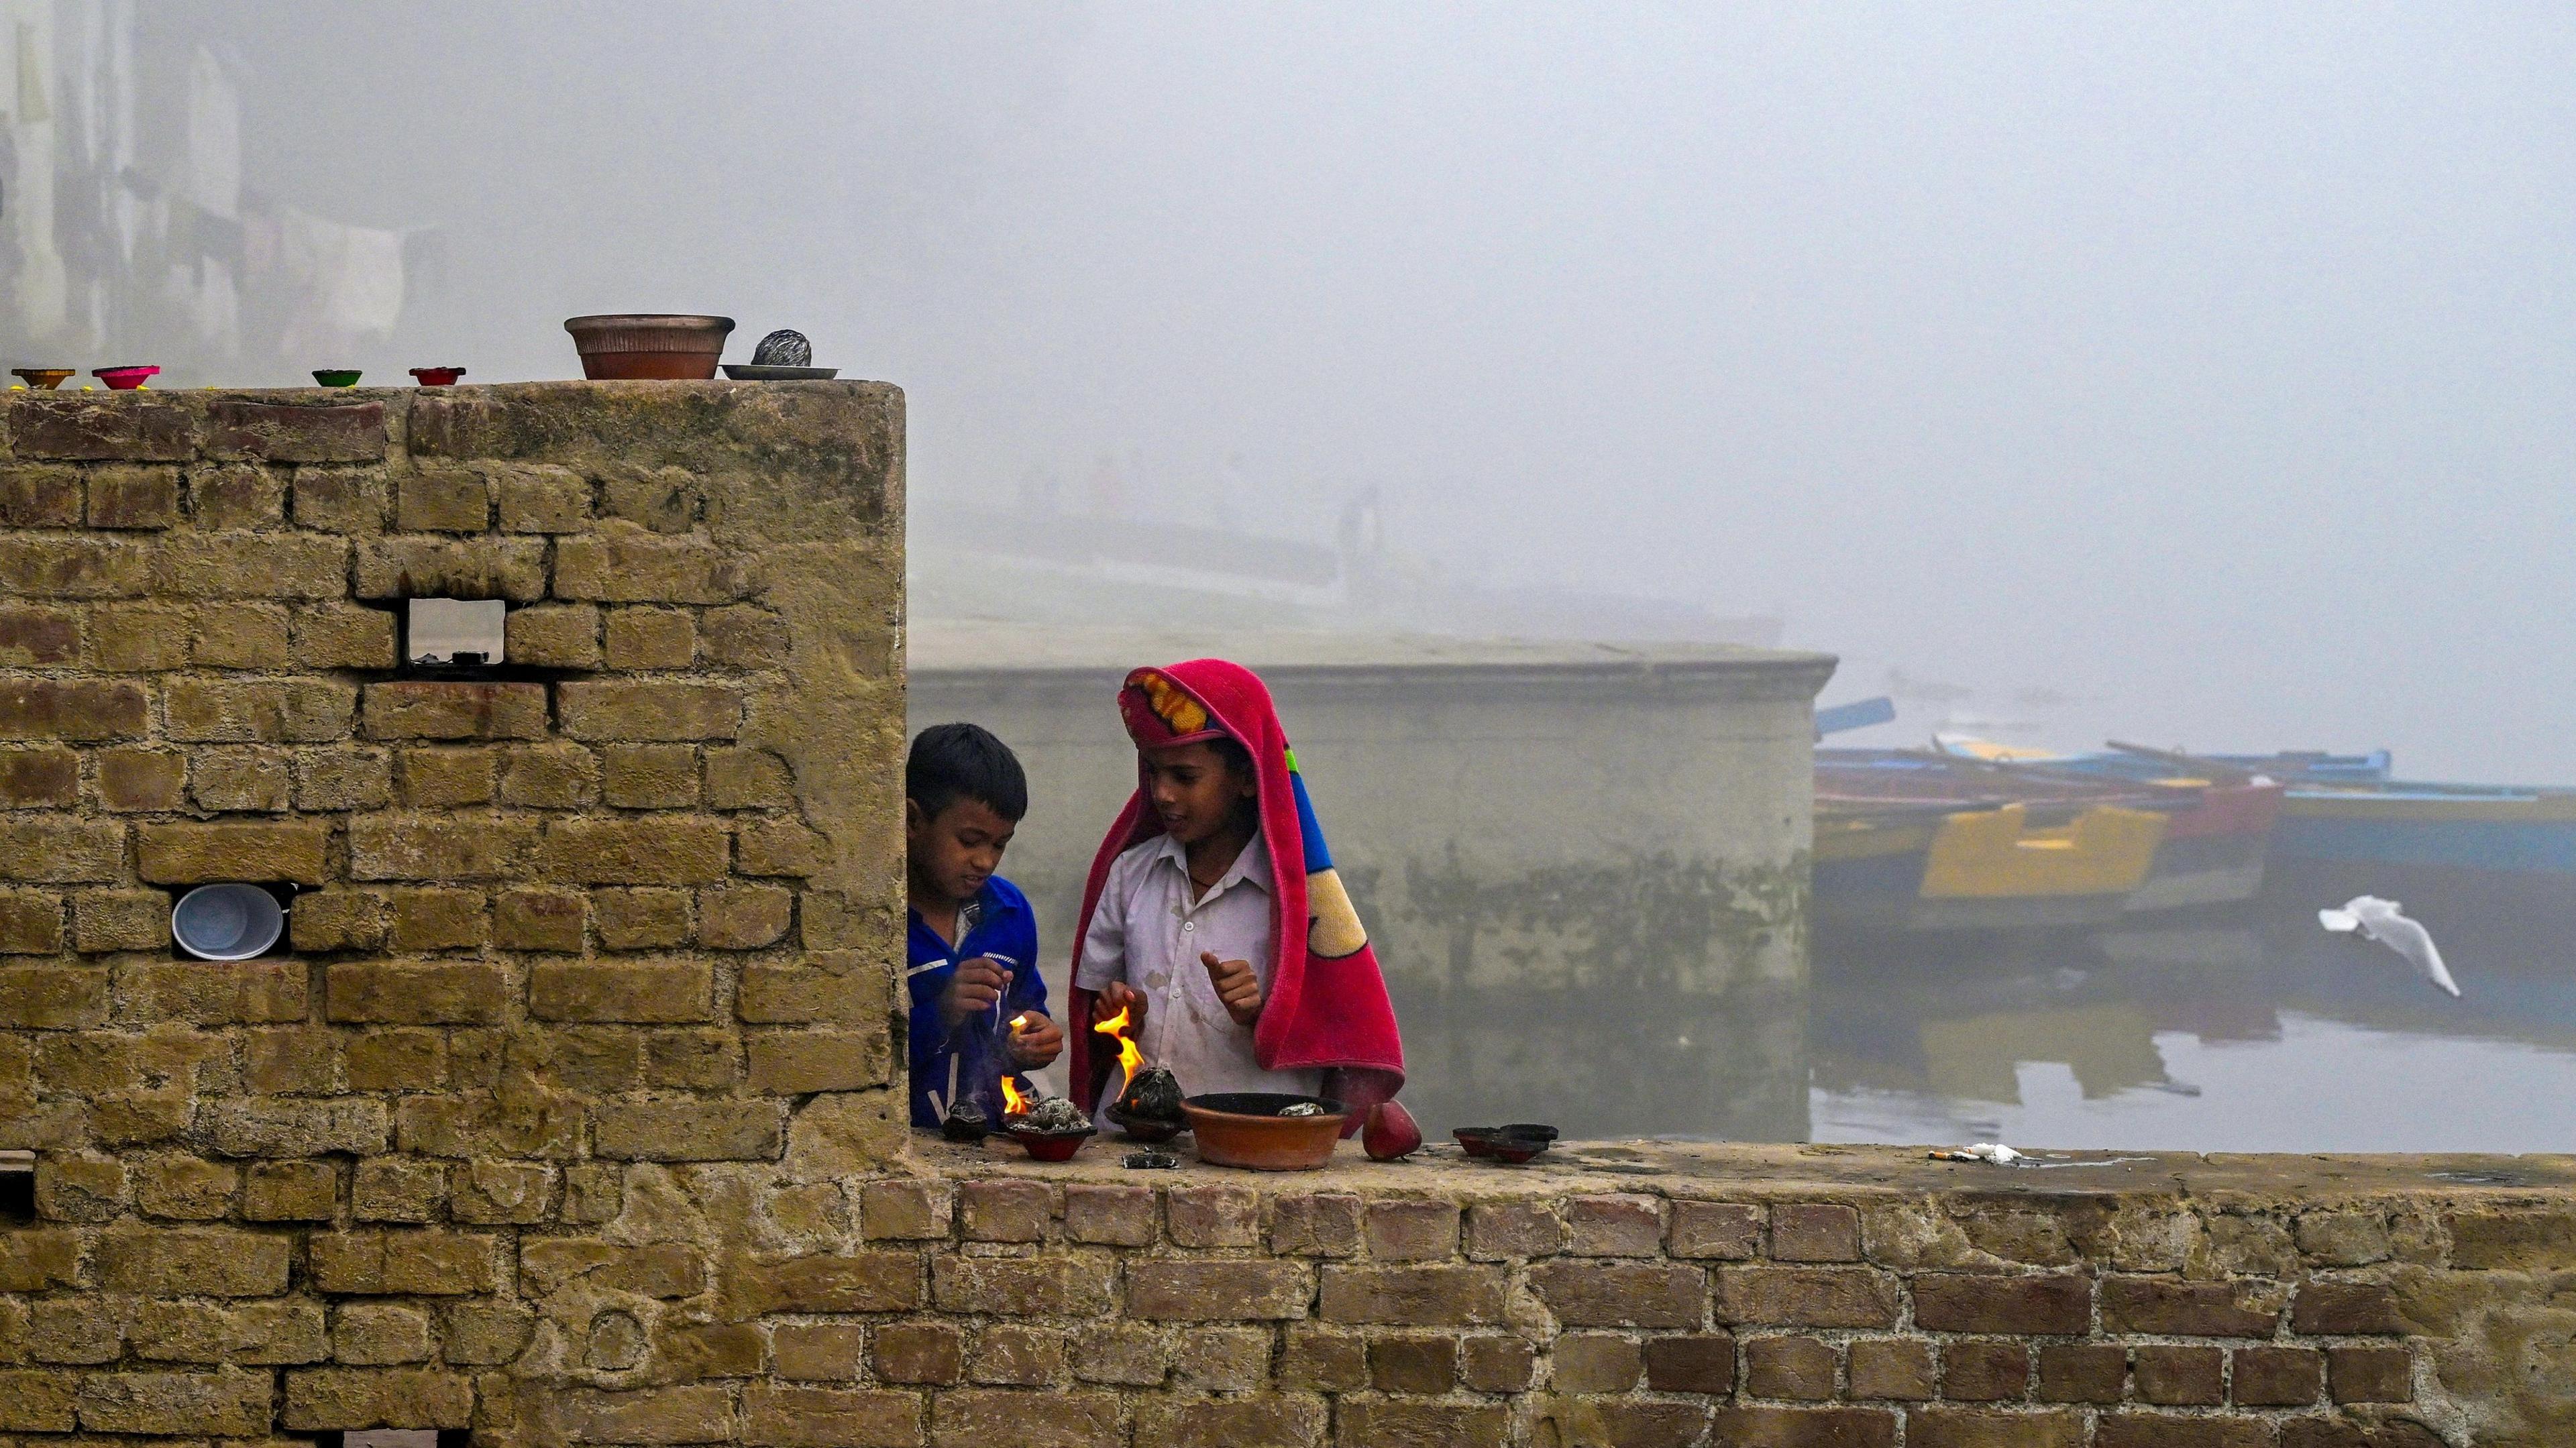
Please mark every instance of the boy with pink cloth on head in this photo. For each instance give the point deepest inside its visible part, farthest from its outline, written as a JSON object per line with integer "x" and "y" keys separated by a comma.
{"x": 1214, "y": 917}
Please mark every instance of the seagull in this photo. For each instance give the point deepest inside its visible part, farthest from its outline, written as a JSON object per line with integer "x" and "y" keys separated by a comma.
{"x": 2379, "y": 919}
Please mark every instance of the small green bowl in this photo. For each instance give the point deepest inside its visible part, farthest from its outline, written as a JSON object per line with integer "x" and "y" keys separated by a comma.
{"x": 337, "y": 376}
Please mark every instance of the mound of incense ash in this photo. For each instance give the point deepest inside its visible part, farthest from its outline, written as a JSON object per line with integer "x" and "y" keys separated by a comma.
{"x": 1155, "y": 1095}
{"x": 1053, "y": 1113}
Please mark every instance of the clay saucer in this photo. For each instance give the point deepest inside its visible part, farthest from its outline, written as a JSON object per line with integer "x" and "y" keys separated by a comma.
{"x": 437, "y": 376}
{"x": 43, "y": 379}
{"x": 336, "y": 376}
{"x": 124, "y": 379}
{"x": 1512, "y": 1144}
{"x": 766, "y": 372}
{"x": 1144, "y": 1128}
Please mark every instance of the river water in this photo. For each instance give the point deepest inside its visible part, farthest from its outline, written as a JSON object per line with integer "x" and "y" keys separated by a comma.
{"x": 2249, "y": 1030}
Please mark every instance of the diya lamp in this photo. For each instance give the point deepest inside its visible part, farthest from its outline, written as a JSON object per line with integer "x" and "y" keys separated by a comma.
{"x": 1049, "y": 1128}
{"x": 1148, "y": 1104}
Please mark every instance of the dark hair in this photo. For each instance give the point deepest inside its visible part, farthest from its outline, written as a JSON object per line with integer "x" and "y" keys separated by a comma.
{"x": 950, "y": 762}
{"x": 1237, "y": 758}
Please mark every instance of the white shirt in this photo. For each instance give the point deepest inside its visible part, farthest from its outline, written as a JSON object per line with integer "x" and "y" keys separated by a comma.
{"x": 1147, "y": 932}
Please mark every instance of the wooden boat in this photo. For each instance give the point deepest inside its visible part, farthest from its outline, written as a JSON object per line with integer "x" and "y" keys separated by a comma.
{"x": 1918, "y": 842}
{"x": 2346, "y": 810}
{"x": 2224, "y": 818}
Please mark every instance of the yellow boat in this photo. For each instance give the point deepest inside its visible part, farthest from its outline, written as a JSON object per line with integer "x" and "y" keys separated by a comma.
{"x": 1979, "y": 869}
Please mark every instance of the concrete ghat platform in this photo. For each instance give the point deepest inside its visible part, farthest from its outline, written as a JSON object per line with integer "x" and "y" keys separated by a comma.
{"x": 1662, "y": 1293}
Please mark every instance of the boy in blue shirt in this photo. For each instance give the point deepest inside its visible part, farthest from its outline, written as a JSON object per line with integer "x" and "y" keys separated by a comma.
{"x": 978, "y": 1002}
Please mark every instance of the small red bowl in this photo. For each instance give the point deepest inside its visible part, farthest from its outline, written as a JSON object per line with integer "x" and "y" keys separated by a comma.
{"x": 1050, "y": 1145}
{"x": 437, "y": 376}
{"x": 124, "y": 379}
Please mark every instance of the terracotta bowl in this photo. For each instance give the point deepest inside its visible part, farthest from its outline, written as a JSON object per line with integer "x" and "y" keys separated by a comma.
{"x": 1244, "y": 1128}
{"x": 1049, "y": 1145}
{"x": 43, "y": 379}
{"x": 124, "y": 379}
{"x": 437, "y": 376}
{"x": 649, "y": 346}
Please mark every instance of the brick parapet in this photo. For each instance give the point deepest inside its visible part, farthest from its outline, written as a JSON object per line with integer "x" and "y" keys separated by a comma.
{"x": 570, "y": 1114}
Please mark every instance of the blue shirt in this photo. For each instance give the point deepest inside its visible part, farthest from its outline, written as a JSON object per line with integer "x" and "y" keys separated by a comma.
{"x": 969, "y": 1062}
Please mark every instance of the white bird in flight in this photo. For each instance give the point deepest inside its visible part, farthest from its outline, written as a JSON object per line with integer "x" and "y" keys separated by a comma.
{"x": 2379, "y": 919}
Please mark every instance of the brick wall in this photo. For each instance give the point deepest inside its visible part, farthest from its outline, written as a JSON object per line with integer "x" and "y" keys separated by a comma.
{"x": 568, "y": 1115}
{"x": 1660, "y": 1297}
{"x": 629, "y": 902}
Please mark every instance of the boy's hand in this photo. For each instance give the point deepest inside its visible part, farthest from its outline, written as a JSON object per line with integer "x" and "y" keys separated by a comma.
{"x": 1236, "y": 986}
{"x": 977, "y": 984}
{"x": 1037, "y": 1043}
{"x": 1117, "y": 996}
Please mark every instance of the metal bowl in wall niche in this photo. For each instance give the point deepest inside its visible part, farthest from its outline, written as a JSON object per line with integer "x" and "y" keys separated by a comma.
{"x": 630, "y": 346}
{"x": 227, "y": 921}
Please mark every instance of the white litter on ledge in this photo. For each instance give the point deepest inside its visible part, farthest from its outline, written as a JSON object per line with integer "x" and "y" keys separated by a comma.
{"x": 1994, "y": 1152}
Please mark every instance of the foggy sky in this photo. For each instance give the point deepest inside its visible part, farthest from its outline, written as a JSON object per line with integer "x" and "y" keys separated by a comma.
{"x": 2211, "y": 364}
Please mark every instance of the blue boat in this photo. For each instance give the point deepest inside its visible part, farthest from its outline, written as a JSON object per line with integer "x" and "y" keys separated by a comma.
{"x": 2345, "y": 811}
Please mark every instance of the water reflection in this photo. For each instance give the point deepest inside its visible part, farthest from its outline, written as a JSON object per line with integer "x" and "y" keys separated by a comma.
{"x": 2250, "y": 1031}
{"x": 1603, "y": 1064}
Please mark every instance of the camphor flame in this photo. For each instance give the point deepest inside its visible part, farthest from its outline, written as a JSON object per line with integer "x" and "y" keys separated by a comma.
{"x": 1015, "y": 1102}
{"x": 1130, "y": 1060}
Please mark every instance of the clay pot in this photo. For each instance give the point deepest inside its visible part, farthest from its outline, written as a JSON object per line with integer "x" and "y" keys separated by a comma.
{"x": 643, "y": 346}
{"x": 436, "y": 376}
{"x": 1244, "y": 1128}
{"x": 335, "y": 376}
{"x": 43, "y": 379}
{"x": 124, "y": 379}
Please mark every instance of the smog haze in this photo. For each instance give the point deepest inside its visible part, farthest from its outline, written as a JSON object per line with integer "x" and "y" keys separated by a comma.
{"x": 2196, "y": 374}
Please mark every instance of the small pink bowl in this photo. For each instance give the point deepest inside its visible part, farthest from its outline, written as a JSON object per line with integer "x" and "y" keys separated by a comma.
{"x": 124, "y": 379}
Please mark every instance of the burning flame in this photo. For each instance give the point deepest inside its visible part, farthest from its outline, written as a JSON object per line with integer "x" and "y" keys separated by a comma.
{"x": 1130, "y": 1060}
{"x": 1014, "y": 1101}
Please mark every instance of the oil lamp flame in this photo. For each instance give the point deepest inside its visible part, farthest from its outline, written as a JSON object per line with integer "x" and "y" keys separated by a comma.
{"x": 1130, "y": 1060}
{"x": 1015, "y": 1102}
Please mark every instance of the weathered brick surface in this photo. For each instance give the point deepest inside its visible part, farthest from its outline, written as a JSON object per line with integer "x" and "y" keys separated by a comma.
{"x": 1806, "y": 1297}
{"x": 1217, "y": 1291}
{"x": 1978, "y": 1302}
{"x": 71, "y": 709}
{"x": 2188, "y": 1309}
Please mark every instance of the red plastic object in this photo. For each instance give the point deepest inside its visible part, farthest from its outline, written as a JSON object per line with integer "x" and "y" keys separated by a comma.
{"x": 1050, "y": 1145}
{"x": 1391, "y": 1133}
{"x": 437, "y": 376}
{"x": 124, "y": 379}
